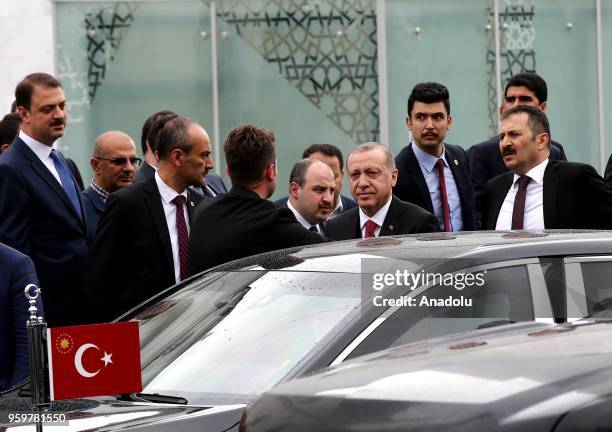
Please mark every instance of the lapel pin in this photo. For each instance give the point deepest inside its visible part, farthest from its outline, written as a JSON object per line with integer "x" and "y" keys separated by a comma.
{"x": 390, "y": 227}
{"x": 192, "y": 204}
{"x": 456, "y": 162}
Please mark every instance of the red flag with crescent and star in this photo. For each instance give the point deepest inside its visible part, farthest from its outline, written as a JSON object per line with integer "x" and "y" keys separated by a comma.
{"x": 94, "y": 360}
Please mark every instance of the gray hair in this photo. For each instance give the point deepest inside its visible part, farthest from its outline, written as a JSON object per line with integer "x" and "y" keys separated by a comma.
{"x": 367, "y": 146}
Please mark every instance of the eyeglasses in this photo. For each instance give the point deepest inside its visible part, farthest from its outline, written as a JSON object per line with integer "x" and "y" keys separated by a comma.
{"x": 120, "y": 161}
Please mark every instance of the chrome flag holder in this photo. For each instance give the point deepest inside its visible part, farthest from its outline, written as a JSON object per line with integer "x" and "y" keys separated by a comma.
{"x": 37, "y": 343}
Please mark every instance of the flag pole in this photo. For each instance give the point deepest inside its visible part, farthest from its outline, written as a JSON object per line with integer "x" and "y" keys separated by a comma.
{"x": 39, "y": 379}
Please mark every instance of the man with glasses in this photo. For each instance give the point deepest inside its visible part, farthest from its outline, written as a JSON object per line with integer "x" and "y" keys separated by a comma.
{"x": 114, "y": 163}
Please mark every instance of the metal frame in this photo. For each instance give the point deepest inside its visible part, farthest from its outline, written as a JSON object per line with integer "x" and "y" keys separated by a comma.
{"x": 383, "y": 100}
{"x": 600, "y": 89}
{"x": 215, "y": 86}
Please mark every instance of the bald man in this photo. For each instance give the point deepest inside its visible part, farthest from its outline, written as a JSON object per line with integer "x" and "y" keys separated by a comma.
{"x": 114, "y": 162}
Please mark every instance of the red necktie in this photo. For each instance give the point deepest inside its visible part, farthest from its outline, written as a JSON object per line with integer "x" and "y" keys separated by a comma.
{"x": 183, "y": 236}
{"x": 370, "y": 229}
{"x": 443, "y": 196}
{"x": 518, "y": 211}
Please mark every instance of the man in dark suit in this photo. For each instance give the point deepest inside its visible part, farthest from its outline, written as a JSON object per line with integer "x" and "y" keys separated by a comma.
{"x": 311, "y": 193}
{"x": 608, "y": 172}
{"x": 372, "y": 175}
{"x": 41, "y": 211}
{"x": 142, "y": 243}
{"x": 213, "y": 184}
{"x": 486, "y": 162}
{"x": 243, "y": 222}
{"x": 17, "y": 273}
{"x": 432, "y": 174}
{"x": 332, "y": 156}
{"x": 539, "y": 193}
{"x": 114, "y": 162}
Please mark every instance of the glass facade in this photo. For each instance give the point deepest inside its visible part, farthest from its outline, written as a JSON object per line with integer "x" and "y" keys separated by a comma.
{"x": 309, "y": 69}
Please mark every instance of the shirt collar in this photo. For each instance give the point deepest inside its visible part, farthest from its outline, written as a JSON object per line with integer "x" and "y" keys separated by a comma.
{"x": 338, "y": 209}
{"x": 426, "y": 160}
{"x": 536, "y": 173}
{"x": 166, "y": 192}
{"x": 41, "y": 150}
{"x": 298, "y": 216}
{"x": 100, "y": 191}
{"x": 378, "y": 218}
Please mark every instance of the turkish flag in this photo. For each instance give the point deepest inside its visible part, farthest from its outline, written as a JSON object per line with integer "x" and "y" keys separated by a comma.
{"x": 94, "y": 360}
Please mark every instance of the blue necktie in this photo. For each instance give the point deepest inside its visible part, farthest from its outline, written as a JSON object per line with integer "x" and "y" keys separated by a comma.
{"x": 66, "y": 180}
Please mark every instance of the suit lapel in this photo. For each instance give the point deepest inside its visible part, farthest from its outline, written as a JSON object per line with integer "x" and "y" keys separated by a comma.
{"x": 549, "y": 194}
{"x": 390, "y": 225}
{"x": 153, "y": 201}
{"x": 497, "y": 199}
{"x": 43, "y": 172}
{"x": 193, "y": 199}
{"x": 416, "y": 176}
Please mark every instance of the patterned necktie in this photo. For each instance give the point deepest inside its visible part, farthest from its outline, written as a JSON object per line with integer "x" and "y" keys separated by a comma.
{"x": 443, "y": 196}
{"x": 518, "y": 211}
{"x": 370, "y": 229}
{"x": 66, "y": 181}
{"x": 183, "y": 236}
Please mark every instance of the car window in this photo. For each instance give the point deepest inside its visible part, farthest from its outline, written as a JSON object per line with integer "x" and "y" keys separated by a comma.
{"x": 244, "y": 332}
{"x": 505, "y": 297}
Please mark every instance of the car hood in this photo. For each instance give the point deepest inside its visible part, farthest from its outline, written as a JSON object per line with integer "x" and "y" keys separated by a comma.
{"x": 506, "y": 379}
{"x": 110, "y": 415}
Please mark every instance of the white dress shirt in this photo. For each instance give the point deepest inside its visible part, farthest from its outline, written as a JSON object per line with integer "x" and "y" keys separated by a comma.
{"x": 338, "y": 210}
{"x": 42, "y": 151}
{"x": 534, "y": 209}
{"x": 300, "y": 218}
{"x": 378, "y": 218}
{"x": 167, "y": 195}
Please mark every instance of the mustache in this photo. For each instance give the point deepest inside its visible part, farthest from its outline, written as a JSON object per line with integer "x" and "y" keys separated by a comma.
{"x": 506, "y": 151}
{"x": 57, "y": 123}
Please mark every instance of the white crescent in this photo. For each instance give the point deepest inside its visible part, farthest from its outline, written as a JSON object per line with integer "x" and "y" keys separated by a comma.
{"x": 78, "y": 361}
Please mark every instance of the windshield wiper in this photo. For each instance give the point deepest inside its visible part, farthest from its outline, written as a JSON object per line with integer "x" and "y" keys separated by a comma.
{"x": 153, "y": 397}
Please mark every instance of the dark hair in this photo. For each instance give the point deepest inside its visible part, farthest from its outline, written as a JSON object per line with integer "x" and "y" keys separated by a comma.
{"x": 327, "y": 149}
{"x": 248, "y": 150}
{"x": 532, "y": 81}
{"x": 429, "y": 92}
{"x": 24, "y": 90}
{"x": 537, "y": 120}
{"x": 174, "y": 135}
{"x": 14, "y": 107}
{"x": 148, "y": 125}
{"x": 9, "y": 128}
{"x": 298, "y": 172}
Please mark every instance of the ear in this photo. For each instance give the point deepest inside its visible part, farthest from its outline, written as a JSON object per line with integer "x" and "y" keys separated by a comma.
{"x": 408, "y": 122}
{"x": 95, "y": 164}
{"x": 393, "y": 177}
{"x": 271, "y": 172}
{"x": 450, "y": 121}
{"x": 543, "y": 140}
{"x": 501, "y": 111}
{"x": 294, "y": 189}
{"x": 4, "y": 147}
{"x": 176, "y": 157}
{"x": 24, "y": 114}
{"x": 155, "y": 155}
{"x": 543, "y": 106}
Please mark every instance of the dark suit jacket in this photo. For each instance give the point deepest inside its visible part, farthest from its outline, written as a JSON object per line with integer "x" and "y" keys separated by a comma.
{"x": 402, "y": 218}
{"x": 347, "y": 203}
{"x": 239, "y": 224}
{"x": 608, "y": 174}
{"x": 38, "y": 219}
{"x": 17, "y": 272}
{"x": 575, "y": 197}
{"x": 412, "y": 187}
{"x": 486, "y": 162}
{"x": 93, "y": 207}
{"x": 75, "y": 173}
{"x": 131, "y": 258}
{"x": 212, "y": 180}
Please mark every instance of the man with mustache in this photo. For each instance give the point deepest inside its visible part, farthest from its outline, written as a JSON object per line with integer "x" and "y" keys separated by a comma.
{"x": 311, "y": 193}
{"x": 539, "y": 193}
{"x": 114, "y": 162}
{"x": 372, "y": 175}
{"x": 431, "y": 173}
{"x": 525, "y": 88}
{"x": 142, "y": 241}
{"x": 41, "y": 210}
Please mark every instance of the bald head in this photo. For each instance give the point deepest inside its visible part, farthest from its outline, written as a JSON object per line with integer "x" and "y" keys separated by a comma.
{"x": 114, "y": 160}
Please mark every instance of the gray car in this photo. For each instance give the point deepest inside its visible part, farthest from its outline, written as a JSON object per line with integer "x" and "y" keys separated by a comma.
{"x": 518, "y": 377}
{"x": 215, "y": 342}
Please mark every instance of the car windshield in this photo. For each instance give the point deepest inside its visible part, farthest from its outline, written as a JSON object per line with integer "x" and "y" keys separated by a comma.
{"x": 230, "y": 336}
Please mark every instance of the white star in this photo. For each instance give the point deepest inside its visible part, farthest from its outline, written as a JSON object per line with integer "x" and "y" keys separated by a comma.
{"x": 107, "y": 358}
